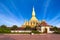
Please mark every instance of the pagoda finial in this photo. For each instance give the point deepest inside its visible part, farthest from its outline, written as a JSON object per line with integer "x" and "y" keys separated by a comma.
{"x": 43, "y": 20}
{"x": 33, "y": 12}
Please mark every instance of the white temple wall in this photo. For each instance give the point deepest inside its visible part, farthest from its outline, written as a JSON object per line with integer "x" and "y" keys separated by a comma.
{"x": 42, "y": 29}
{"x": 48, "y": 29}
{"x": 19, "y": 31}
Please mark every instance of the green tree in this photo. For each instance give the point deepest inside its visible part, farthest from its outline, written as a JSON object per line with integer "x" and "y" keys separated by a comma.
{"x": 14, "y": 27}
{"x": 35, "y": 27}
{"x": 3, "y": 26}
{"x": 27, "y": 28}
{"x": 57, "y": 31}
{"x": 55, "y": 28}
{"x": 4, "y": 29}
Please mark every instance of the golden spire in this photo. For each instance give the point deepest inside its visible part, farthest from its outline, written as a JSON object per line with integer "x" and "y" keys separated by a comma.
{"x": 33, "y": 15}
{"x": 33, "y": 12}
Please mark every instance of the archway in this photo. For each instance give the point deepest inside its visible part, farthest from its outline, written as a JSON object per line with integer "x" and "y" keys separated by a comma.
{"x": 45, "y": 30}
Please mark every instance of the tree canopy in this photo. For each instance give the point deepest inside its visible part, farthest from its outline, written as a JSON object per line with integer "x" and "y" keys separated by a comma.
{"x": 14, "y": 27}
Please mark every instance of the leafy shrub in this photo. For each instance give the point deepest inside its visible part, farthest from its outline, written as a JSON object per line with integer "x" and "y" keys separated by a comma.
{"x": 35, "y": 32}
{"x": 57, "y": 32}
{"x": 4, "y": 30}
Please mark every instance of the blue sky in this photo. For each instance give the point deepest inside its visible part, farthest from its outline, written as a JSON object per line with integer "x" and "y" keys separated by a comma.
{"x": 15, "y": 12}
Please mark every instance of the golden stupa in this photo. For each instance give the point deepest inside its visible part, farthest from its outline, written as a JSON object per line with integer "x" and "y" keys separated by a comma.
{"x": 33, "y": 21}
